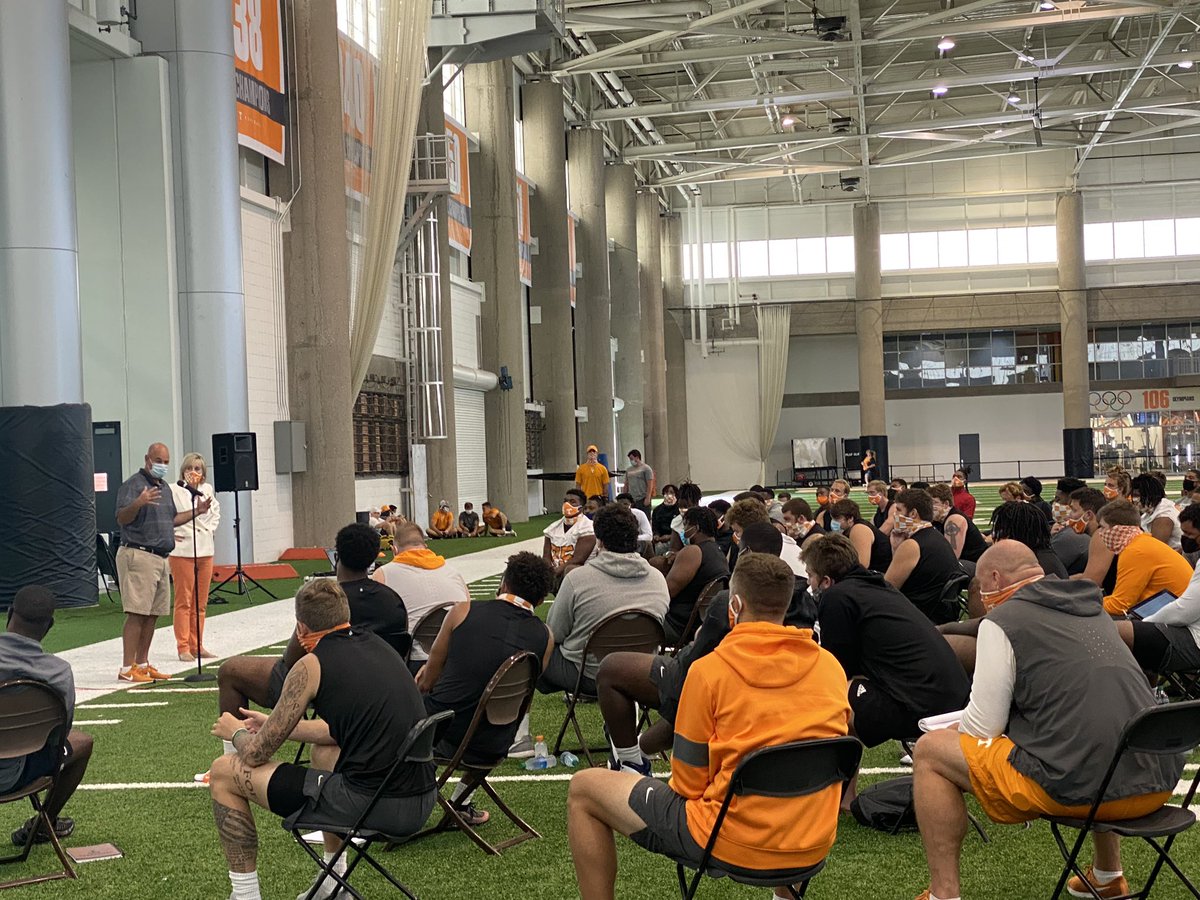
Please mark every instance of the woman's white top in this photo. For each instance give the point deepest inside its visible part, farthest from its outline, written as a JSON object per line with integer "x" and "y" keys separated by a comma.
{"x": 206, "y": 523}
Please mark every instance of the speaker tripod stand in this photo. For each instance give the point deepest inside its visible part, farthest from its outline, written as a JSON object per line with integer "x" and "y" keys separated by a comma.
{"x": 238, "y": 575}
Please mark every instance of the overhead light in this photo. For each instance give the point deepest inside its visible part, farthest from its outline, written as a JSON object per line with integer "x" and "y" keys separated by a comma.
{"x": 946, "y": 44}
{"x": 788, "y": 121}
{"x": 1185, "y": 64}
{"x": 1047, "y": 5}
{"x": 1013, "y": 97}
{"x": 939, "y": 91}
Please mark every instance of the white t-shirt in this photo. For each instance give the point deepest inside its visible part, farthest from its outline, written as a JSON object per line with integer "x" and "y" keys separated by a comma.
{"x": 645, "y": 533}
{"x": 1165, "y": 510}
{"x": 563, "y": 539}
{"x": 422, "y": 590}
{"x": 790, "y": 554}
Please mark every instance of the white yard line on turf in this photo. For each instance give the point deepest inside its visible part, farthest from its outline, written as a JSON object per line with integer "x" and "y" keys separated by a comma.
{"x": 179, "y": 690}
{"x": 98, "y": 722}
{"x": 90, "y": 706}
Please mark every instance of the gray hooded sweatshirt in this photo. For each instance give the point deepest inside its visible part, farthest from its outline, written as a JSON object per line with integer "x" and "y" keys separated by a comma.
{"x": 609, "y": 583}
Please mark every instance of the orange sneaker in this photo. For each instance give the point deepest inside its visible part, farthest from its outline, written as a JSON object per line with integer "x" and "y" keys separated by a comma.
{"x": 154, "y": 674}
{"x": 202, "y": 777}
{"x": 133, "y": 674}
{"x": 924, "y": 895}
{"x": 1118, "y": 887}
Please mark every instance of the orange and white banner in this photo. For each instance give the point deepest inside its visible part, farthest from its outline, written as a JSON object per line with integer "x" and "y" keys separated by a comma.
{"x": 459, "y": 168}
{"x": 524, "y": 236}
{"x": 571, "y": 220}
{"x": 358, "y": 69}
{"x": 262, "y": 109}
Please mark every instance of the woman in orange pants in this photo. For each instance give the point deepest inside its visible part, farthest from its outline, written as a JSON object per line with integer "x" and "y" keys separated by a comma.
{"x": 192, "y": 561}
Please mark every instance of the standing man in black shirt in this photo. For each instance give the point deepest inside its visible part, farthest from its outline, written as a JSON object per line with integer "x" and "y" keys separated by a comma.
{"x": 922, "y": 560}
{"x": 355, "y": 741}
{"x": 900, "y": 668}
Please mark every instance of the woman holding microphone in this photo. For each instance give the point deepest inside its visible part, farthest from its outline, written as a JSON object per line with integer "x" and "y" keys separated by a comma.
{"x": 192, "y": 560}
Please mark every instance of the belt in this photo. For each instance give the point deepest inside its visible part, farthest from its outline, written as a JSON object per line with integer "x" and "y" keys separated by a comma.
{"x": 156, "y": 551}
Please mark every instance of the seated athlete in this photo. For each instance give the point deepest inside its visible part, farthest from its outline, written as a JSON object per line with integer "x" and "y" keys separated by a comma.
{"x": 355, "y": 738}
{"x": 441, "y": 523}
{"x": 496, "y": 521}
{"x": 873, "y": 547}
{"x": 570, "y": 540}
{"x": 469, "y": 524}
{"x": 965, "y": 539}
{"x": 1145, "y": 565}
{"x": 1100, "y": 565}
{"x": 373, "y": 607}
{"x": 1054, "y": 686}
{"x": 1069, "y": 537}
{"x": 690, "y": 570}
{"x": 922, "y": 562}
{"x": 900, "y": 668}
{"x": 629, "y": 680}
{"x": 474, "y": 640}
{"x": 766, "y": 684}
{"x": 645, "y": 534}
{"x": 1023, "y": 522}
{"x": 751, "y": 511}
{"x": 1169, "y": 640}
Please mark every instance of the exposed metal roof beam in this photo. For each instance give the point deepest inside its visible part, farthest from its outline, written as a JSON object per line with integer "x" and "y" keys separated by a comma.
{"x": 933, "y": 18}
{"x": 665, "y": 58}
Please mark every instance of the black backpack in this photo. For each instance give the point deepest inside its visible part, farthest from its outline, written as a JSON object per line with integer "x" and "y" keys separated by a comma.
{"x": 886, "y": 806}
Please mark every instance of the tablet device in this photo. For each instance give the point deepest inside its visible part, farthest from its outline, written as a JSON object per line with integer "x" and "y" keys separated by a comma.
{"x": 1151, "y": 605}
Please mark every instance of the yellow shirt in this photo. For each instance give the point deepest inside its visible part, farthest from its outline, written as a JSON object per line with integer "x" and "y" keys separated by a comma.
{"x": 442, "y": 520}
{"x": 1145, "y": 568}
{"x": 592, "y": 478}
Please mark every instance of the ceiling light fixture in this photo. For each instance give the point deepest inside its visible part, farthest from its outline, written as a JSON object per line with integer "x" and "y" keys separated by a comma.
{"x": 1013, "y": 97}
{"x": 939, "y": 91}
{"x": 1047, "y": 5}
{"x": 1186, "y": 64}
{"x": 946, "y": 44}
{"x": 788, "y": 121}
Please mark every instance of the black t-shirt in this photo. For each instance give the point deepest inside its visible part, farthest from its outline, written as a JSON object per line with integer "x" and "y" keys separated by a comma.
{"x": 881, "y": 548}
{"x": 492, "y": 632}
{"x": 661, "y": 517}
{"x": 873, "y": 632}
{"x": 881, "y": 515}
{"x": 370, "y": 725}
{"x": 375, "y": 606}
{"x": 712, "y": 565}
{"x": 1043, "y": 507}
{"x": 468, "y": 520}
{"x": 927, "y": 581}
{"x": 1050, "y": 562}
{"x": 973, "y": 544}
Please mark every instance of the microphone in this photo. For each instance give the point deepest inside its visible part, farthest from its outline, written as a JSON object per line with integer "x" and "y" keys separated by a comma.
{"x": 184, "y": 484}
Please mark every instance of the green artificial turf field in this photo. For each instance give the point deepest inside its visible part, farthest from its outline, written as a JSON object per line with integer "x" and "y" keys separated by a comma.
{"x": 139, "y": 795}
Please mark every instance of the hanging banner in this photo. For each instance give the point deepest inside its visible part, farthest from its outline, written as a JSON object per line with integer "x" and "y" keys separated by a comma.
{"x": 459, "y": 168}
{"x": 524, "y": 235}
{"x": 262, "y": 111}
{"x": 358, "y": 113}
{"x": 571, "y": 220}
{"x": 1137, "y": 400}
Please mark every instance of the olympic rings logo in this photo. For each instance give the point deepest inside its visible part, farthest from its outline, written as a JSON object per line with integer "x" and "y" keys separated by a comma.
{"x": 1109, "y": 401}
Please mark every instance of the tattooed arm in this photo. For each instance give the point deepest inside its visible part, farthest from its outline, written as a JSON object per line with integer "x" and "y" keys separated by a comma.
{"x": 955, "y": 530}
{"x": 298, "y": 691}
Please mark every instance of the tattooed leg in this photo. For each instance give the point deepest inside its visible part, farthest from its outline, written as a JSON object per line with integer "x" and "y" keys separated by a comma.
{"x": 234, "y": 786}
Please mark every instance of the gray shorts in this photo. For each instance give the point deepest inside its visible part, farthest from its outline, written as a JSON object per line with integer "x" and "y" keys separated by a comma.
{"x": 317, "y": 797}
{"x": 561, "y": 675}
{"x": 665, "y": 815}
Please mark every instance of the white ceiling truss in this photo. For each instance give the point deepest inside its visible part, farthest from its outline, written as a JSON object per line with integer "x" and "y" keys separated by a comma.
{"x": 704, "y": 91}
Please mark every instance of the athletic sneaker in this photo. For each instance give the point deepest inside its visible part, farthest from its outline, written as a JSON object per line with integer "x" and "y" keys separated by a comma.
{"x": 134, "y": 674}
{"x": 1118, "y": 887}
{"x": 642, "y": 768}
{"x": 522, "y": 749}
{"x": 154, "y": 674}
{"x": 472, "y": 815}
{"x": 202, "y": 777}
{"x": 62, "y": 830}
{"x": 328, "y": 889}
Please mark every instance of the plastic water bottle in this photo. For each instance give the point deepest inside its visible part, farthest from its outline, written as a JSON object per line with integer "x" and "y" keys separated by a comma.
{"x": 568, "y": 759}
{"x": 541, "y": 758}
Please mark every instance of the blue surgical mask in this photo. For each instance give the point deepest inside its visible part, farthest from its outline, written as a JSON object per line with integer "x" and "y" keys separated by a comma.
{"x": 158, "y": 470}
{"x": 835, "y": 526}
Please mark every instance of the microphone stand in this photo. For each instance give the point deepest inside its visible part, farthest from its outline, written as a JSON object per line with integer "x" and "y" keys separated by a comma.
{"x": 199, "y": 674}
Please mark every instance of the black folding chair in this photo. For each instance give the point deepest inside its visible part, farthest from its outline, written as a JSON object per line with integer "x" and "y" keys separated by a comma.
{"x": 417, "y": 748}
{"x": 699, "y": 611}
{"x": 504, "y": 701}
{"x": 1162, "y": 731}
{"x": 426, "y": 631}
{"x": 106, "y": 565}
{"x": 953, "y": 596}
{"x": 33, "y": 717}
{"x": 632, "y": 632}
{"x": 788, "y": 770}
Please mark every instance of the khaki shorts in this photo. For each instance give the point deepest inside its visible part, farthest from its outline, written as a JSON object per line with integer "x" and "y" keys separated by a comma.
{"x": 145, "y": 582}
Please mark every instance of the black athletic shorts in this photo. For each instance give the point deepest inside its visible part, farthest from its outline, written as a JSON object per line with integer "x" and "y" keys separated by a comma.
{"x": 317, "y": 796}
{"x": 878, "y": 716}
{"x": 279, "y": 674}
{"x": 666, "y": 674}
{"x": 1164, "y": 648}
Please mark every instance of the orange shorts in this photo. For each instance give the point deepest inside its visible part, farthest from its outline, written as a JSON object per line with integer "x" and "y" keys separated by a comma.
{"x": 1008, "y": 797}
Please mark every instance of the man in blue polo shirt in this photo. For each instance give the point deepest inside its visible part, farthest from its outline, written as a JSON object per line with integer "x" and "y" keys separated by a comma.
{"x": 147, "y": 516}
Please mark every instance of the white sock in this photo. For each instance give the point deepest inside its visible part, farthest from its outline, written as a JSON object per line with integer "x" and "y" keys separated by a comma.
{"x": 461, "y": 793}
{"x": 229, "y": 748}
{"x": 340, "y": 868}
{"x": 245, "y": 886}
{"x": 932, "y": 897}
{"x": 629, "y": 754}
{"x": 1102, "y": 877}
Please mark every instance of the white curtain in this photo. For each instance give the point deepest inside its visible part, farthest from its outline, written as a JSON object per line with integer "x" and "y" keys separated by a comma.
{"x": 774, "y": 325}
{"x": 394, "y": 32}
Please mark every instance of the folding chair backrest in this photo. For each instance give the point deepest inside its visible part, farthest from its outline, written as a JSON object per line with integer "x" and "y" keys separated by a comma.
{"x": 1173, "y": 728}
{"x": 954, "y": 588}
{"x": 418, "y": 745}
{"x": 511, "y": 689}
{"x": 797, "y": 768}
{"x": 634, "y": 632}
{"x": 704, "y": 601}
{"x": 399, "y": 640}
{"x": 31, "y": 714}
{"x": 427, "y": 629}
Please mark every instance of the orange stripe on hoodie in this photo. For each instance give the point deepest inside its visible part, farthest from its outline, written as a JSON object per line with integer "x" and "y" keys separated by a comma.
{"x": 764, "y": 685}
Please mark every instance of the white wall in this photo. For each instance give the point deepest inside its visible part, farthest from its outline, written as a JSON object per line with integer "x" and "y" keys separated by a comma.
{"x": 372, "y": 493}
{"x": 723, "y": 417}
{"x": 262, "y": 282}
{"x": 126, "y": 228}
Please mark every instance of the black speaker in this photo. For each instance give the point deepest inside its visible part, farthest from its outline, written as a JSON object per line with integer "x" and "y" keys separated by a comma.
{"x": 235, "y": 461}
{"x": 1079, "y": 448}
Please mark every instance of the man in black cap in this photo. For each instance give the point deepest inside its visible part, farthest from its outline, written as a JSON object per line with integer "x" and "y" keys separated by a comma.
{"x": 1034, "y": 487}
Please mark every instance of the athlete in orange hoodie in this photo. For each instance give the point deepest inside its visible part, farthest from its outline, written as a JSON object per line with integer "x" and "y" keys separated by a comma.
{"x": 732, "y": 704}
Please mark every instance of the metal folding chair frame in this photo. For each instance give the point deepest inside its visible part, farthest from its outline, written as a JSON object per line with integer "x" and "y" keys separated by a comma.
{"x": 699, "y": 611}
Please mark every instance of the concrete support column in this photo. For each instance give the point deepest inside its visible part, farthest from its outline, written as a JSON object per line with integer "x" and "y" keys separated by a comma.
{"x": 197, "y": 42}
{"x": 490, "y": 112}
{"x": 443, "y": 454}
{"x": 553, "y": 365}
{"x": 593, "y": 347}
{"x": 317, "y": 278}
{"x": 677, "y": 467}
{"x": 1072, "y": 299}
{"x": 868, "y": 320}
{"x": 654, "y": 354}
{"x": 41, "y": 350}
{"x": 621, "y": 204}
